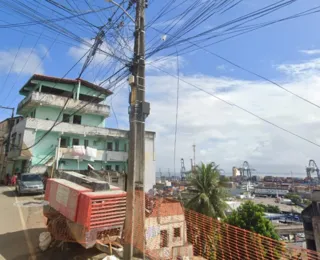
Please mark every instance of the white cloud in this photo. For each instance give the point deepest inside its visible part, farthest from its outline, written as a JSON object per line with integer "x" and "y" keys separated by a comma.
{"x": 104, "y": 57}
{"x": 165, "y": 63}
{"x": 227, "y": 135}
{"x": 77, "y": 52}
{"x": 175, "y": 21}
{"x": 26, "y": 61}
{"x": 311, "y": 52}
{"x": 221, "y": 67}
{"x": 310, "y": 67}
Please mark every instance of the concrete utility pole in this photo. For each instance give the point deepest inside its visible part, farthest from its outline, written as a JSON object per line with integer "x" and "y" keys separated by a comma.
{"x": 138, "y": 111}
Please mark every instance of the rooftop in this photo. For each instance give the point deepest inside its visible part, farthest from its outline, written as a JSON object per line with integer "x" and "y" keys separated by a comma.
{"x": 165, "y": 208}
{"x": 67, "y": 81}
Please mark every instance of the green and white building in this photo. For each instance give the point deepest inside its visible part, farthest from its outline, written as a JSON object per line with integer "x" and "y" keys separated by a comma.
{"x": 78, "y": 135}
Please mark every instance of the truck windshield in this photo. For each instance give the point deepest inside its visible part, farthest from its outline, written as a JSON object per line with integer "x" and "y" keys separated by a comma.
{"x": 31, "y": 177}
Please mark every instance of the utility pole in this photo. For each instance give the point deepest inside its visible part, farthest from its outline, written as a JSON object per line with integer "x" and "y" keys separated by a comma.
{"x": 134, "y": 230}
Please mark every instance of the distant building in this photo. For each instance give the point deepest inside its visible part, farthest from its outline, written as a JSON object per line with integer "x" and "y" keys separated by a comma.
{"x": 268, "y": 179}
{"x": 64, "y": 120}
{"x": 311, "y": 222}
{"x": 4, "y": 139}
{"x": 166, "y": 230}
{"x": 235, "y": 172}
{"x": 270, "y": 191}
{"x": 255, "y": 178}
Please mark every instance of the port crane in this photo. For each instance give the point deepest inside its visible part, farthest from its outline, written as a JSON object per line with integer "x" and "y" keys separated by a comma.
{"x": 312, "y": 168}
{"x": 245, "y": 170}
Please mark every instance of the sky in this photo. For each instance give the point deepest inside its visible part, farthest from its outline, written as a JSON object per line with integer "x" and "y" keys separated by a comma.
{"x": 229, "y": 114}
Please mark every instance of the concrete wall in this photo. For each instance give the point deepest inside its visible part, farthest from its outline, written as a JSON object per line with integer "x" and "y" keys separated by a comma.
{"x": 52, "y": 113}
{"x": 45, "y": 149}
{"x": 70, "y": 87}
{"x": 153, "y": 237}
{"x": 32, "y": 130}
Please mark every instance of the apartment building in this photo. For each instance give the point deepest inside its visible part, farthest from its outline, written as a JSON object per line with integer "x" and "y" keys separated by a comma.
{"x": 64, "y": 120}
{"x": 5, "y": 126}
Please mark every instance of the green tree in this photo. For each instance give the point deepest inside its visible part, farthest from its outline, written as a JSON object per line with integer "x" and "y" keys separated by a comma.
{"x": 210, "y": 195}
{"x": 270, "y": 208}
{"x": 250, "y": 216}
{"x": 295, "y": 198}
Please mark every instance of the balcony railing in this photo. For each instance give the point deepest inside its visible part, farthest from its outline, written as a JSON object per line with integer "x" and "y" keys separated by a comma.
{"x": 68, "y": 128}
{"x": 37, "y": 98}
{"x": 107, "y": 156}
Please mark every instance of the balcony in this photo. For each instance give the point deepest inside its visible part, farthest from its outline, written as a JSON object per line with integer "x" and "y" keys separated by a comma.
{"x": 113, "y": 156}
{"x": 43, "y": 99}
{"x": 110, "y": 156}
{"x": 68, "y": 128}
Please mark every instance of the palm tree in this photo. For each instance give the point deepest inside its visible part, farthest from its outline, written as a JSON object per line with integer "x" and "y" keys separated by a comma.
{"x": 210, "y": 194}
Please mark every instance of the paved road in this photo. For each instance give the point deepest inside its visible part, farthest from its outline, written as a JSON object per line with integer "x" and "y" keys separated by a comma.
{"x": 20, "y": 225}
{"x": 21, "y": 222}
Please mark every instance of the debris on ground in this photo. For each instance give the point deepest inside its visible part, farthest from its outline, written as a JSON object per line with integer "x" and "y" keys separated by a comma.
{"x": 110, "y": 257}
{"x": 44, "y": 240}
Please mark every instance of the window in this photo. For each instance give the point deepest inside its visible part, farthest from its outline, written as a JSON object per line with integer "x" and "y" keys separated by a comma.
{"x": 64, "y": 142}
{"x": 31, "y": 177}
{"x": 176, "y": 234}
{"x": 163, "y": 238}
{"x": 86, "y": 143}
{"x": 116, "y": 144}
{"x": 125, "y": 147}
{"x": 33, "y": 114}
{"x": 109, "y": 146}
{"x": 13, "y": 141}
{"x": 108, "y": 167}
{"x": 77, "y": 119}
{"x": 75, "y": 141}
{"x": 114, "y": 179}
{"x": 66, "y": 118}
{"x": 117, "y": 168}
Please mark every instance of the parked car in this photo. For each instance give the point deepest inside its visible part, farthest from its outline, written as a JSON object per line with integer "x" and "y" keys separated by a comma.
{"x": 29, "y": 183}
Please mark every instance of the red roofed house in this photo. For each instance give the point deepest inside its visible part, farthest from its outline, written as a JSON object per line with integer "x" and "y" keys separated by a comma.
{"x": 166, "y": 230}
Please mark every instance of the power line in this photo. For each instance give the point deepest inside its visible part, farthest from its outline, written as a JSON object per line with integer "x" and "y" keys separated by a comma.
{"x": 253, "y": 73}
{"x": 22, "y": 69}
{"x": 47, "y": 132}
{"x": 47, "y": 21}
{"x": 260, "y": 76}
{"x": 14, "y": 61}
{"x": 56, "y": 121}
{"x": 43, "y": 57}
{"x": 243, "y": 31}
{"x": 239, "y": 107}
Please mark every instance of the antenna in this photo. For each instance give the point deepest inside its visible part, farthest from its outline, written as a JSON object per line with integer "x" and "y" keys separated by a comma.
{"x": 194, "y": 154}
{"x": 183, "y": 170}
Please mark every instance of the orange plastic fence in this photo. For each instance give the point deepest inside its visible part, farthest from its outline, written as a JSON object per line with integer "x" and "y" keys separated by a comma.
{"x": 172, "y": 232}
{"x": 212, "y": 239}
